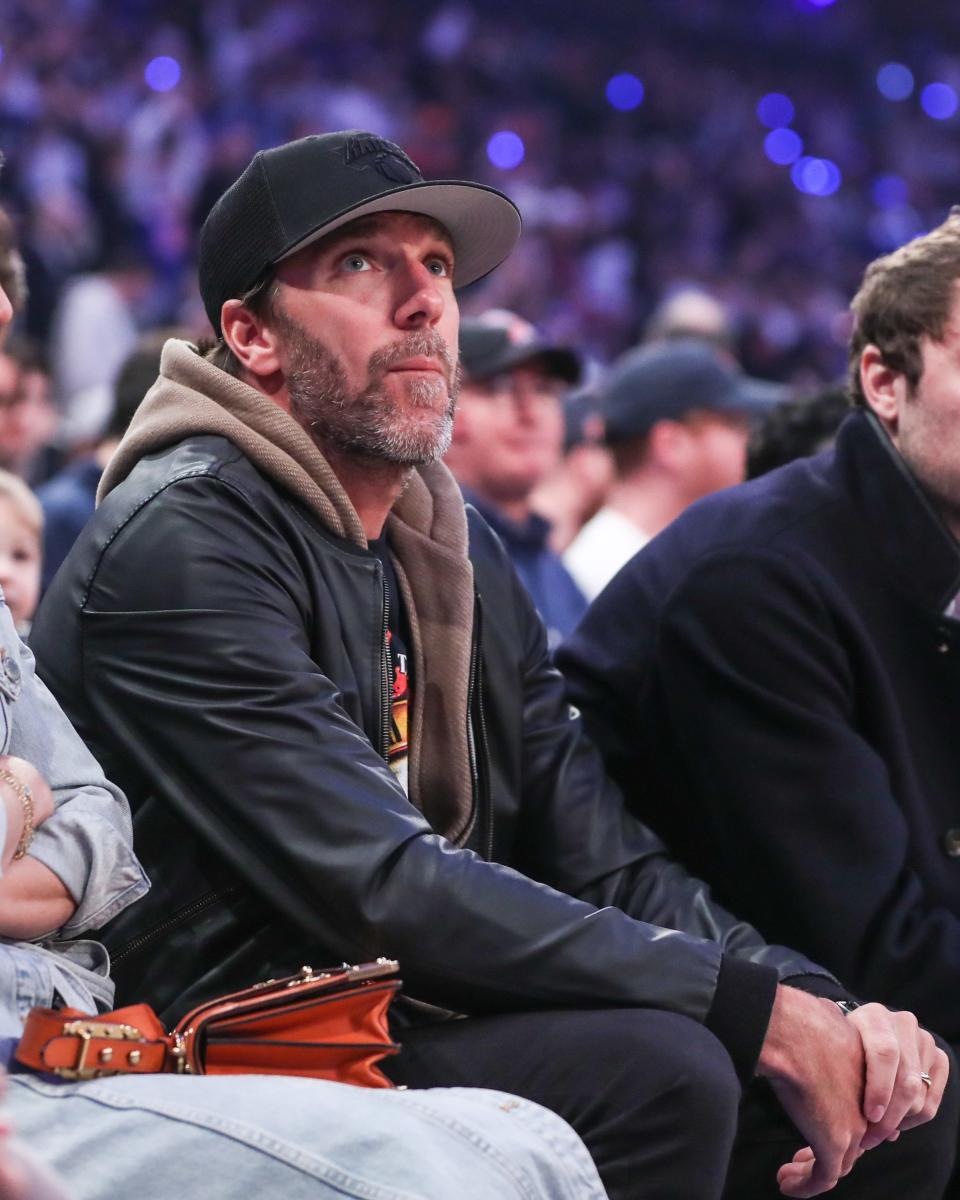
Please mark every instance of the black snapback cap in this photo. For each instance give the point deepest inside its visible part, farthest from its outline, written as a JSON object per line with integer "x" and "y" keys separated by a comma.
{"x": 295, "y": 193}
{"x": 500, "y": 340}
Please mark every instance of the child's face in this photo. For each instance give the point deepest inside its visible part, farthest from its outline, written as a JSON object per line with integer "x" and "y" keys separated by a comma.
{"x": 19, "y": 563}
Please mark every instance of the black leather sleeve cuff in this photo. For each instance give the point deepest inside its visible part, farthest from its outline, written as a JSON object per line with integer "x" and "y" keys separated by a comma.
{"x": 741, "y": 1010}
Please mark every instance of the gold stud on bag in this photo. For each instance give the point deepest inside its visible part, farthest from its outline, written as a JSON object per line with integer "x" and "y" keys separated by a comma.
{"x": 329, "y": 1024}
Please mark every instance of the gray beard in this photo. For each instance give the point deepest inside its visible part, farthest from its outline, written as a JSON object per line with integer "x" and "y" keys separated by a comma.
{"x": 366, "y": 424}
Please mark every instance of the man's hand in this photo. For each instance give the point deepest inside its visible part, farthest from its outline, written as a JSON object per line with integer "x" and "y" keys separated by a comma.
{"x": 898, "y": 1052}
{"x": 813, "y": 1058}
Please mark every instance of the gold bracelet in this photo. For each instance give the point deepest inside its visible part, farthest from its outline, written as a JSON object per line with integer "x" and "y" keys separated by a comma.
{"x": 26, "y": 800}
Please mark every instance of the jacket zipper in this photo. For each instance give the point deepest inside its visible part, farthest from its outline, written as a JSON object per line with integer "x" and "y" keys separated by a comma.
{"x": 386, "y": 671}
{"x": 178, "y": 918}
{"x": 477, "y": 733}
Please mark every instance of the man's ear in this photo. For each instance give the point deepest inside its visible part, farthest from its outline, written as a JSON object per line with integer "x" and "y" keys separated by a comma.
{"x": 252, "y": 341}
{"x": 884, "y": 389}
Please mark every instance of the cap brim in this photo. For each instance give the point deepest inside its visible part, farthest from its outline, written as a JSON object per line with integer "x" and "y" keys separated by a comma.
{"x": 483, "y": 224}
{"x": 755, "y": 397}
{"x": 557, "y": 361}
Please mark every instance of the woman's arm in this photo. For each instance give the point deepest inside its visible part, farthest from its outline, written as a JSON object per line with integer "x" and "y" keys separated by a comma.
{"x": 33, "y": 900}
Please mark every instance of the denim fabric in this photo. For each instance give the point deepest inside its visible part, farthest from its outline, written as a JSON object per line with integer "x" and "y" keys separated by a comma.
{"x": 88, "y": 841}
{"x": 227, "y": 1136}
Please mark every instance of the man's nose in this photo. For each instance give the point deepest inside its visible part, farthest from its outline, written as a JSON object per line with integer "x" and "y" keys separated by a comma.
{"x": 420, "y": 301}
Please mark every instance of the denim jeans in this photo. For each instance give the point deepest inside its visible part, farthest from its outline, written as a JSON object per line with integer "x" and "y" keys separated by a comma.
{"x": 220, "y": 1137}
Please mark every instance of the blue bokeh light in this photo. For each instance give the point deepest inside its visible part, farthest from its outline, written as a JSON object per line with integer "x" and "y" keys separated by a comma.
{"x": 822, "y": 3}
{"x": 783, "y": 146}
{"x": 889, "y": 191}
{"x": 506, "y": 150}
{"x": 895, "y": 81}
{"x": 815, "y": 176}
{"x": 162, "y": 74}
{"x": 625, "y": 92}
{"x": 775, "y": 109}
{"x": 939, "y": 100}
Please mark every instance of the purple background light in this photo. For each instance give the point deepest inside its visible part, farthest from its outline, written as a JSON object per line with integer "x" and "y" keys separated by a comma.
{"x": 625, "y": 92}
{"x": 895, "y": 81}
{"x": 939, "y": 101}
{"x": 889, "y": 191}
{"x": 775, "y": 109}
{"x": 783, "y": 146}
{"x": 816, "y": 176}
{"x": 506, "y": 150}
{"x": 162, "y": 73}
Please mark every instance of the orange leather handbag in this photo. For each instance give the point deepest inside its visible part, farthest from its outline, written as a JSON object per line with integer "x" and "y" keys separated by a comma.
{"x": 329, "y": 1024}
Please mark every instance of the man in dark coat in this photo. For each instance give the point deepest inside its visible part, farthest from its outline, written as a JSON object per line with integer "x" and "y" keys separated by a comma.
{"x": 775, "y": 681}
{"x": 333, "y": 708}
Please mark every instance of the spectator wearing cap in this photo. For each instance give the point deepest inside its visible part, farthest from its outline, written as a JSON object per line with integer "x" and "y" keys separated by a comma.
{"x": 507, "y": 438}
{"x": 677, "y": 420}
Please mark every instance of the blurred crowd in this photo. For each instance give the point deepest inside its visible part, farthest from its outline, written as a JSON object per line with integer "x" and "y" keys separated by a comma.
{"x": 121, "y": 123}
{"x": 106, "y": 174}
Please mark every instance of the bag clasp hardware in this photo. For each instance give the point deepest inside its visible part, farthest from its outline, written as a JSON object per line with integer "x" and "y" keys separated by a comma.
{"x": 86, "y": 1031}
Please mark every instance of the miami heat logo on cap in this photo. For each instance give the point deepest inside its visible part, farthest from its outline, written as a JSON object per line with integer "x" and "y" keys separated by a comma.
{"x": 362, "y": 153}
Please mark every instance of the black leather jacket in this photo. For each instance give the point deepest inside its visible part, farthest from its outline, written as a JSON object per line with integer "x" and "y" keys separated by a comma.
{"x": 222, "y": 655}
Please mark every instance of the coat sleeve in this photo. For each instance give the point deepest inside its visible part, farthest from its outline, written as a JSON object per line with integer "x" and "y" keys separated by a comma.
{"x": 755, "y": 667}
{"x": 197, "y": 658}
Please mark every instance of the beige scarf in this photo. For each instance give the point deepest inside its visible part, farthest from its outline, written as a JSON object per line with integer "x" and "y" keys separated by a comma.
{"x": 427, "y": 532}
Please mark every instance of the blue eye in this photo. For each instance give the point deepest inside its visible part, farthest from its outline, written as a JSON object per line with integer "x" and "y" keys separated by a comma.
{"x": 438, "y": 267}
{"x": 354, "y": 263}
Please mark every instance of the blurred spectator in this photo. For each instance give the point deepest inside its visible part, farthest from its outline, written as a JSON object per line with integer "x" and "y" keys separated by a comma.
{"x": 676, "y": 417}
{"x": 796, "y": 429}
{"x": 507, "y": 437}
{"x": 28, "y": 420}
{"x": 576, "y": 488}
{"x": 13, "y": 279}
{"x": 690, "y": 312}
{"x": 21, "y": 532}
{"x": 69, "y": 498}
{"x": 94, "y": 329}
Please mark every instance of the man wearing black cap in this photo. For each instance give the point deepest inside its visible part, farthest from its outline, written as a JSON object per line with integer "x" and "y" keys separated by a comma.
{"x": 676, "y": 419}
{"x": 332, "y": 706}
{"x": 507, "y": 438}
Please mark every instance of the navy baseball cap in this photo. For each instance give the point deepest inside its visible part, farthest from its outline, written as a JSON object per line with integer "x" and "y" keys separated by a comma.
{"x": 667, "y": 380}
{"x": 499, "y": 340}
{"x": 295, "y": 193}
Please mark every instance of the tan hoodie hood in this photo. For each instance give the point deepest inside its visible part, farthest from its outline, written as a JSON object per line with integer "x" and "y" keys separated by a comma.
{"x": 427, "y": 533}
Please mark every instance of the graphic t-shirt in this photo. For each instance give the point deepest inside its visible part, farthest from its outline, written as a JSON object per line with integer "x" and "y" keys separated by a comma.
{"x": 400, "y": 666}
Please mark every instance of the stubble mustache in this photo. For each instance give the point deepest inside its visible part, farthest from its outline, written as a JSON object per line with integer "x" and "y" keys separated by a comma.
{"x": 417, "y": 344}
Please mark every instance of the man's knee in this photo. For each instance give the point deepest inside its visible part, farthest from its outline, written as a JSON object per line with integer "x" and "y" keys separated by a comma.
{"x": 672, "y": 1063}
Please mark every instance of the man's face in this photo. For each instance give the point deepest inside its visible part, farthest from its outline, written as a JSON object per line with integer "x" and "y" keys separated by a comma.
{"x": 508, "y": 434}
{"x": 927, "y": 428}
{"x": 716, "y": 453}
{"x": 368, "y": 326}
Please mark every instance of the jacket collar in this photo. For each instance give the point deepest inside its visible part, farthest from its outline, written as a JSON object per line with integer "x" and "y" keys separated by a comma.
{"x": 427, "y": 531}
{"x": 908, "y": 533}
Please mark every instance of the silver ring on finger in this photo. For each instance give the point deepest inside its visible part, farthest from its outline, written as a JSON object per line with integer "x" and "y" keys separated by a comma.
{"x": 926, "y": 1079}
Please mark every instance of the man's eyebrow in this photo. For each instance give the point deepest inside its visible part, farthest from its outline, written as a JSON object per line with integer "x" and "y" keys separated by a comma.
{"x": 373, "y": 223}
